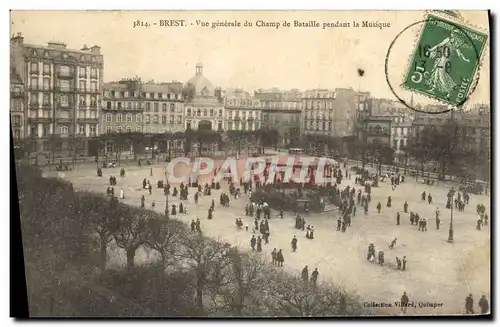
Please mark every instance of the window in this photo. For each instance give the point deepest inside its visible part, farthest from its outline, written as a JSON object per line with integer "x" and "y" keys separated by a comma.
{"x": 211, "y": 112}
{"x": 119, "y": 118}
{"x": 109, "y": 118}
{"x": 34, "y": 82}
{"x": 93, "y": 86}
{"x": 118, "y": 129}
{"x": 148, "y": 106}
{"x": 119, "y": 105}
{"x": 64, "y": 71}
{"x": 155, "y": 118}
{"x": 172, "y": 107}
{"x": 82, "y": 85}
{"x": 205, "y": 112}
{"x": 179, "y": 119}
{"x": 64, "y": 101}
{"x": 46, "y": 99}
{"x": 189, "y": 111}
{"x": 81, "y": 129}
{"x": 395, "y": 144}
{"x": 93, "y": 129}
{"x": 46, "y": 68}
{"x": 146, "y": 118}
{"x": 155, "y": 107}
{"x": 219, "y": 125}
{"x": 108, "y": 105}
{"x": 129, "y": 105}
{"x": 164, "y": 120}
{"x": 64, "y": 130}
{"x": 171, "y": 119}
{"x": 46, "y": 130}
{"x": 138, "y": 118}
{"x": 93, "y": 73}
{"x": 138, "y": 129}
{"x": 82, "y": 72}
{"x": 188, "y": 124}
{"x": 108, "y": 129}
{"x": 93, "y": 101}
{"x": 128, "y": 118}
{"x": 220, "y": 112}
{"x": 164, "y": 107}
{"x": 128, "y": 129}
{"x": 34, "y": 67}
{"x": 17, "y": 105}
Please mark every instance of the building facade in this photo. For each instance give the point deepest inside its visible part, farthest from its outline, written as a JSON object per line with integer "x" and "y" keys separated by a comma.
{"x": 242, "y": 111}
{"x": 203, "y": 106}
{"x": 131, "y": 105}
{"x": 17, "y": 102}
{"x": 281, "y": 110}
{"x": 476, "y": 124}
{"x": 330, "y": 112}
{"x": 63, "y": 89}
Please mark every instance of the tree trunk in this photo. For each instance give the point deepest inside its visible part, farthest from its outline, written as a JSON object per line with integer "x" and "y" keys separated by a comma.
{"x": 199, "y": 297}
{"x": 130, "y": 257}
{"x": 103, "y": 254}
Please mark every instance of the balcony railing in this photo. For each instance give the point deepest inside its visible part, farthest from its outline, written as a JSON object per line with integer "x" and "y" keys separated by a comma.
{"x": 88, "y": 120}
{"x": 64, "y": 89}
{"x": 61, "y": 74}
{"x": 40, "y": 120}
{"x": 46, "y": 72}
{"x": 17, "y": 94}
{"x": 34, "y": 71}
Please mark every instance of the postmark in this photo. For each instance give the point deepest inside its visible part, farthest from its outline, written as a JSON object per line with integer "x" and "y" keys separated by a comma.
{"x": 445, "y": 61}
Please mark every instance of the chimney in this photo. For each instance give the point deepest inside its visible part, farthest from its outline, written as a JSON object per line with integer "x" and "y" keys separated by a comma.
{"x": 57, "y": 45}
{"x": 85, "y": 48}
{"x": 17, "y": 39}
{"x": 96, "y": 49}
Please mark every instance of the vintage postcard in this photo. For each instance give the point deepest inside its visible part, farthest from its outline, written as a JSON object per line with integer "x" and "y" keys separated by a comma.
{"x": 252, "y": 163}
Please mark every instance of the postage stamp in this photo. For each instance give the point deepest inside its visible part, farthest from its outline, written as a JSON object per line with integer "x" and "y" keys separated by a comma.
{"x": 445, "y": 61}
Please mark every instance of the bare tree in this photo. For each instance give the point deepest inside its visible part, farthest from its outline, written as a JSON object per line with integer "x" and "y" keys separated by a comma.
{"x": 291, "y": 296}
{"x": 206, "y": 258}
{"x": 164, "y": 238}
{"x": 130, "y": 233}
{"x": 246, "y": 274}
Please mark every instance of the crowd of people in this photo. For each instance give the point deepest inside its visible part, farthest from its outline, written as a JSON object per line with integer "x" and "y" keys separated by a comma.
{"x": 346, "y": 198}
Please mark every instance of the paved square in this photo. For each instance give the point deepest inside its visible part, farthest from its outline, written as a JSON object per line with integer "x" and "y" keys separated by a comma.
{"x": 438, "y": 271}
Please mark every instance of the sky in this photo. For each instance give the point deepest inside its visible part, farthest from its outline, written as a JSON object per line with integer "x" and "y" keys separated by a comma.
{"x": 249, "y": 57}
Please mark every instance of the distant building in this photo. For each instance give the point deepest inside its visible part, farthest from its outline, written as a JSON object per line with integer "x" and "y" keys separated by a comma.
{"x": 63, "y": 90}
{"x": 281, "y": 110}
{"x": 17, "y": 102}
{"x": 476, "y": 123}
{"x": 330, "y": 112}
{"x": 132, "y": 105}
{"x": 378, "y": 130}
{"x": 243, "y": 112}
{"x": 204, "y": 107}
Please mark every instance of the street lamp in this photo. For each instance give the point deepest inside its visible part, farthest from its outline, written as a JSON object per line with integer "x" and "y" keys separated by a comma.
{"x": 451, "y": 193}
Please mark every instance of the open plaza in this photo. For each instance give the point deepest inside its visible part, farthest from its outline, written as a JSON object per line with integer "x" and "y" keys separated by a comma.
{"x": 438, "y": 276}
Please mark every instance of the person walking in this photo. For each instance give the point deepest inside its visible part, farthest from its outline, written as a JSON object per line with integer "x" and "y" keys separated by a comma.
{"x": 469, "y": 304}
{"x": 484, "y": 305}
{"x": 404, "y": 302}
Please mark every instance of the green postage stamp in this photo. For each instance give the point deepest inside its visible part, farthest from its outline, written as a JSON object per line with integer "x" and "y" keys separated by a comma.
{"x": 445, "y": 61}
